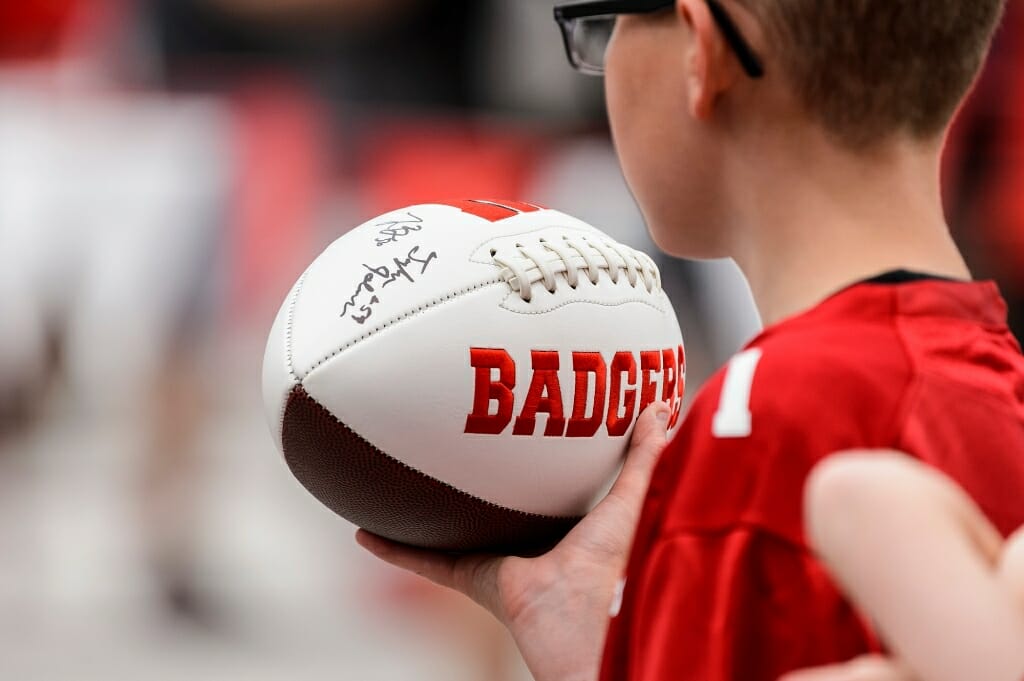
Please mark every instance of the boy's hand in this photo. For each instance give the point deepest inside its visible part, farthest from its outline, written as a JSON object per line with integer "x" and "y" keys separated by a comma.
{"x": 869, "y": 668}
{"x": 555, "y": 605}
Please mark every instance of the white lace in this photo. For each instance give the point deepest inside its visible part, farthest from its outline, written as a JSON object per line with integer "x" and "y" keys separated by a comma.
{"x": 543, "y": 260}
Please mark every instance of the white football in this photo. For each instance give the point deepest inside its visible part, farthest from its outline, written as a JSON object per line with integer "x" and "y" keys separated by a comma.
{"x": 466, "y": 376}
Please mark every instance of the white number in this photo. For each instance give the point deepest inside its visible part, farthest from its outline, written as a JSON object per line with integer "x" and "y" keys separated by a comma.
{"x": 733, "y": 419}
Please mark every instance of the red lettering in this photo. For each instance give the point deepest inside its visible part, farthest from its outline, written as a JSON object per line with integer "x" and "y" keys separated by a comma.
{"x": 485, "y": 361}
{"x": 649, "y": 363}
{"x": 585, "y": 364}
{"x": 669, "y": 369}
{"x": 618, "y": 423}
{"x": 677, "y": 406}
{"x": 632, "y": 388}
{"x": 493, "y": 210}
{"x": 545, "y": 395}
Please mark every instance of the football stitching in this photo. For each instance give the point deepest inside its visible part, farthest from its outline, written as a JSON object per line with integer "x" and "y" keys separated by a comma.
{"x": 288, "y": 328}
{"x": 437, "y": 302}
{"x": 585, "y": 233}
{"x": 444, "y": 484}
{"x": 530, "y": 231}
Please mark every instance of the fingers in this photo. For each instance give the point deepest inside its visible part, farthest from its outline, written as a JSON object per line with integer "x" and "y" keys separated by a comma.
{"x": 477, "y": 576}
{"x": 868, "y": 668}
{"x": 473, "y": 575}
{"x": 644, "y": 449}
{"x": 436, "y": 567}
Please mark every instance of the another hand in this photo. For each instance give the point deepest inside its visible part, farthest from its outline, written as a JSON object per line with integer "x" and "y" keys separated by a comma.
{"x": 868, "y": 668}
{"x": 555, "y": 605}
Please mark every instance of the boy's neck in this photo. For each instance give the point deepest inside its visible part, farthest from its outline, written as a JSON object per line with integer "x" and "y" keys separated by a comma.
{"x": 817, "y": 220}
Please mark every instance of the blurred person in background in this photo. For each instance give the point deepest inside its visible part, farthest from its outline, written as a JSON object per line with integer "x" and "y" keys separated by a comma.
{"x": 107, "y": 230}
{"x": 28, "y": 32}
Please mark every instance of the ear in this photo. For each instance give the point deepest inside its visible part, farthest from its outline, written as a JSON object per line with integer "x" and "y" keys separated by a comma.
{"x": 710, "y": 71}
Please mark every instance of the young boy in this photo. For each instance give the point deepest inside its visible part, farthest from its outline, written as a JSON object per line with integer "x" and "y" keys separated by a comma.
{"x": 801, "y": 138}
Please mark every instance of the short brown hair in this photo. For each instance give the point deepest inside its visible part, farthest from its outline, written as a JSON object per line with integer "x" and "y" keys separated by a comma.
{"x": 868, "y": 69}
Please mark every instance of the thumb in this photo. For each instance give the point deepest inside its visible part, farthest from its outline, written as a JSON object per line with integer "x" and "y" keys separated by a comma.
{"x": 649, "y": 440}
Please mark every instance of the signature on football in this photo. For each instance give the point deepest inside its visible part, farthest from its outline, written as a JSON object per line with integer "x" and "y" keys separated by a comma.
{"x": 359, "y": 306}
{"x": 390, "y": 232}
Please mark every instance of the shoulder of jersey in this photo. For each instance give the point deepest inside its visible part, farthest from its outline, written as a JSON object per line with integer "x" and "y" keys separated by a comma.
{"x": 762, "y": 422}
{"x": 790, "y": 377}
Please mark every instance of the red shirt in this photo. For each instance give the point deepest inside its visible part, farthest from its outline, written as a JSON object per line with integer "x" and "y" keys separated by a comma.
{"x": 721, "y": 584}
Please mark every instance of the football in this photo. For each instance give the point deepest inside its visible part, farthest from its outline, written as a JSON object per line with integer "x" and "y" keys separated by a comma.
{"x": 465, "y": 376}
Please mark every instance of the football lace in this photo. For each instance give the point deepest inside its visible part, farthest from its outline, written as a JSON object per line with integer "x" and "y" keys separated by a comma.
{"x": 545, "y": 259}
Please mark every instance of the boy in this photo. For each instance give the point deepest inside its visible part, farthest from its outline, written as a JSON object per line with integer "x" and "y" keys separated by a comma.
{"x": 801, "y": 138}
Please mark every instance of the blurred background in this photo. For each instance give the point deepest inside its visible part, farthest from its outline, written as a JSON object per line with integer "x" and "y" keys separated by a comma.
{"x": 167, "y": 170}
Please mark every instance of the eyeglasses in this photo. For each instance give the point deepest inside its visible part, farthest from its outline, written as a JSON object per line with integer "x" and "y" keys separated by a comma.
{"x": 587, "y": 29}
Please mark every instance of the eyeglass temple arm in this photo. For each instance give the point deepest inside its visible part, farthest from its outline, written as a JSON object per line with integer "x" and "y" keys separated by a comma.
{"x": 750, "y": 61}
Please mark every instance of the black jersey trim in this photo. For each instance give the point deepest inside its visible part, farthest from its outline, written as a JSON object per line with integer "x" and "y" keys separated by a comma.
{"x": 897, "y": 277}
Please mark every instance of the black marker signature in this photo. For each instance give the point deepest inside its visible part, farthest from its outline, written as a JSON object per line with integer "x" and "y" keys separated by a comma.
{"x": 380, "y": 277}
{"x": 392, "y": 231}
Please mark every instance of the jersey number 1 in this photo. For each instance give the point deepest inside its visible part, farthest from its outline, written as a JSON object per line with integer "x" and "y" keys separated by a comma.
{"x": 733, "y": 419}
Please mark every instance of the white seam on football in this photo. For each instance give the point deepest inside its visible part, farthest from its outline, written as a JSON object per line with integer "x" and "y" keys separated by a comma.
{"x": 288, "y": 328}
{"x": 499, "y": 205}
{"x": 437, "y": 302}
{"x": 546, "y": 310}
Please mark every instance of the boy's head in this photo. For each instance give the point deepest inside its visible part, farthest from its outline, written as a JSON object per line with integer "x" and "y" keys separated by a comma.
{"x": 858, "y": 76}
{"x": 867, "y": 69}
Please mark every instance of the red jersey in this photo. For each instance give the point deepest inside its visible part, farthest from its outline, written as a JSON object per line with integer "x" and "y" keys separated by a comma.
{"x": 721, "y": 585}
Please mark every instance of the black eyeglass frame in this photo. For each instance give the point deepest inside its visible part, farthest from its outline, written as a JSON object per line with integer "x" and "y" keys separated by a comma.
{"x": 565, "y": 14}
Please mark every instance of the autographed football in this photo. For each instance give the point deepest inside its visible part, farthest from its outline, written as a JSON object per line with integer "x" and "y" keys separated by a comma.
{"x": 465, "y": 376}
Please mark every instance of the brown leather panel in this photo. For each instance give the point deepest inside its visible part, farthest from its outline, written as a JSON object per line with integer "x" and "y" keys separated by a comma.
{"x": 381, "y": 494}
